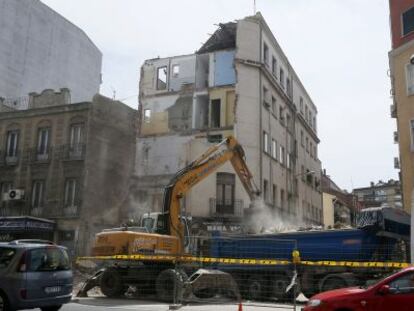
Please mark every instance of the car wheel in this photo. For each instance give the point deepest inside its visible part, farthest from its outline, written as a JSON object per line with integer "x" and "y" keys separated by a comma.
{"x": 4, "y": 305}
{"x": 52, "y": 308}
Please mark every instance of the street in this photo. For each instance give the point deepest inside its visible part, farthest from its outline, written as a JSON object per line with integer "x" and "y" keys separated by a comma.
{"x": 98, "y": 303}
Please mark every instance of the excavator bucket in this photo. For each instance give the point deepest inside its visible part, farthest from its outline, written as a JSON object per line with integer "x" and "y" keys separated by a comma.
{"x": 205, "y": 284}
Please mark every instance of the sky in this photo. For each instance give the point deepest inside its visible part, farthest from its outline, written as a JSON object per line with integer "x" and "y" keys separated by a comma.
{"x": 339, "y": 49}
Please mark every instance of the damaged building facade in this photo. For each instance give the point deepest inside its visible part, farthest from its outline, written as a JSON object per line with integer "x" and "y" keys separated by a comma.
{"x": 238, "y": 83}
{"x": 65, "y": 167}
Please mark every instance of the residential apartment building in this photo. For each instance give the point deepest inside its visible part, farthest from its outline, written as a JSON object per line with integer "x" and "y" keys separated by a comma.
{"x": 40, "y": 49}
{"x": 401, "y": 58}
{"x": 380, "y": 194}
{"x": 339, "y": 206}
{"x": 238, "y": 83}
{"x": 67, "y": 163}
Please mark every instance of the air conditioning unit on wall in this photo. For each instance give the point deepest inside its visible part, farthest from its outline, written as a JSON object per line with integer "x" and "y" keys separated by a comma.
{"x": 13, "y": 195}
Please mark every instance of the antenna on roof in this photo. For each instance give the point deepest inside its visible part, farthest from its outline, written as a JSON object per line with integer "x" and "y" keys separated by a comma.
{"x": 254, "y": 7}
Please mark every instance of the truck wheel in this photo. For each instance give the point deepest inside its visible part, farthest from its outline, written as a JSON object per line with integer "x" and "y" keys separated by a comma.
{"x": 4, "y": 306}
{"x": 255, "y": 288}
{"x": 111, "y": 283}
{"x": 331, "y": 283}
{"x": 279, "y": 286}
{"x": 168, "y": 283}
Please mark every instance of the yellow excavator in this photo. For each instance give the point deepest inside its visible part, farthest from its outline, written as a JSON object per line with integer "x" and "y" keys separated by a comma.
{"x": 169, "y": 236}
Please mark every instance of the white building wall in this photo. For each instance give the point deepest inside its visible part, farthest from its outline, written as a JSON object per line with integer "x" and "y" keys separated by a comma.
{"x": 40, "y": 49}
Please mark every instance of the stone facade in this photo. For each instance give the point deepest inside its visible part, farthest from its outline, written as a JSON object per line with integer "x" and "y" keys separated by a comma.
{"x": 73, "y": 163}
{"x": 238, "y": 83}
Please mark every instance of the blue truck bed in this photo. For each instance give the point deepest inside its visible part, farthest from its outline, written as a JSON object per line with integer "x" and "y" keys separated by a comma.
{"x": 336, "y": 245}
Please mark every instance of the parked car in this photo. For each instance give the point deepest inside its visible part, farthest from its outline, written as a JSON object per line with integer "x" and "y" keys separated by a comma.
{"x": 34, "y": 274}
{"x": 395, "y": 292}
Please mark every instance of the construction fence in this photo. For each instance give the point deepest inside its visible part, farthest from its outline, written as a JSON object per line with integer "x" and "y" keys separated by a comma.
{"x": 251, "y": 269}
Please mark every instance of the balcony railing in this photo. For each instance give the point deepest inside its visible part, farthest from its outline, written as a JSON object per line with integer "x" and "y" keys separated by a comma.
{"x": 226, "y": 208}
{"x": 74, "y": 152}
{"x": 36, "y": 157}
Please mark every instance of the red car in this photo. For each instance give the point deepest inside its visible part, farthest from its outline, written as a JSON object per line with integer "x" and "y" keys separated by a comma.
{"x": 395, "y": 292}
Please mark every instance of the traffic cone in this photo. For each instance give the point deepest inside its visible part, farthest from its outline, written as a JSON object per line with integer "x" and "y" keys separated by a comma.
{"x": 240, "y": 306}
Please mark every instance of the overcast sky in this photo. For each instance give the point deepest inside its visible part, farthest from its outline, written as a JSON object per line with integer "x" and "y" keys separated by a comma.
{"x": 337, "y": 47}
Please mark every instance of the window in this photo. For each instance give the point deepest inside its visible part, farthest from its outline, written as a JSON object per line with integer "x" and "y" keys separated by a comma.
{"x": 274, "y": 149}
{"x": 301, "y": 105}
{"x": 274, "y": 198}
{"x": 225, "y": 193}
{"x": 306, "y": 113}
{"x": 307, "y": 144}
{"x": 162, "y": 78}
{"x": 147, "y": 115}
{"x": 288, "y": 160}
{"x": 70, "y": 192}
{"x": 315, "y": 154}
{"x": 215, "y": 113}
{"x": 282, "y": 155}
{"x": 282, "y": 78}
{"x": 76, "y": 136}
{"x": 302, "y": 138}
{"x": 274, "y": 66}
{"x": 265, "y": 97}
{"x": 6, "y": 256}
{"x": 311, "y": 149}
{"x": 314, "y": 123}
{"x": 265, "y": 142}
{"x": 37, "y": 194}
{"x": 403, "y": 284}
{"x": 274, "y": 105}
{"x": 281, "y": 114}
{"x": 310, "y": 119}
{"x": 265, "y": 54}
{"x": 408, "y": 21}
{"x": 265, "y": 190}
{"x": 409, "y": 71}
{"x": 12, "y": 143}
{"x": 302, "y": 173}
{"x": 288, "y": 86}
{"x": 175, "y": 70}
{"x": 48, "y": 259}
{"x": 43, "y": 141}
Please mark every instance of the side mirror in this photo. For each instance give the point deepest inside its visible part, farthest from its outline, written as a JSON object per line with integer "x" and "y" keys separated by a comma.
{"x": 384, "y": 290}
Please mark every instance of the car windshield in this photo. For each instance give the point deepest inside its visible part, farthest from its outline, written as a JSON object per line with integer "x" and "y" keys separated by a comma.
{"x": 6, "y": 255}
{"x": 49, "y": 259}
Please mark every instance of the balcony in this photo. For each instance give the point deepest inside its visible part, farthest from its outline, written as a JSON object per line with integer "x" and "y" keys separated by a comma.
{"x": 226, "y": 209}
{"x": 396, "y": 162}
{"x": 37, "y": 157}
{"x": 12, "y": 159}
{"x": 74, "y": 152}
{"x": 51, "y": 210}
{"x": 395, "y": 137}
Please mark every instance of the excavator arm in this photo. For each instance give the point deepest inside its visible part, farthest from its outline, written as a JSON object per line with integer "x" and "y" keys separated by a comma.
{"x": 199, "y": 169}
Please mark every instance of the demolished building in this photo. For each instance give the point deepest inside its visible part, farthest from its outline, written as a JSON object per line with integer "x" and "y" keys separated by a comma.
{"x": 238, "y": 83}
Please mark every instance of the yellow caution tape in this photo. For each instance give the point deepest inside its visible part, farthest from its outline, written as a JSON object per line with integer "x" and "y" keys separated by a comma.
{"x": 248, "y": 261}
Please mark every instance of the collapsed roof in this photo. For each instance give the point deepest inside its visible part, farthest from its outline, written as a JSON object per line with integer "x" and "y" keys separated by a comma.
{"x": 223, "y": 38}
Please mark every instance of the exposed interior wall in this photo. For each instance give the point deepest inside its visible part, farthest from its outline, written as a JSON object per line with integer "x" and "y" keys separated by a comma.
{"x": 328, "y": 210}
{"x": 226, "y": 98}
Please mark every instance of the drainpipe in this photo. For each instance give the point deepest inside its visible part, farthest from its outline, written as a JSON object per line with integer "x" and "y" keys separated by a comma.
{"x": 260, "y": 113}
